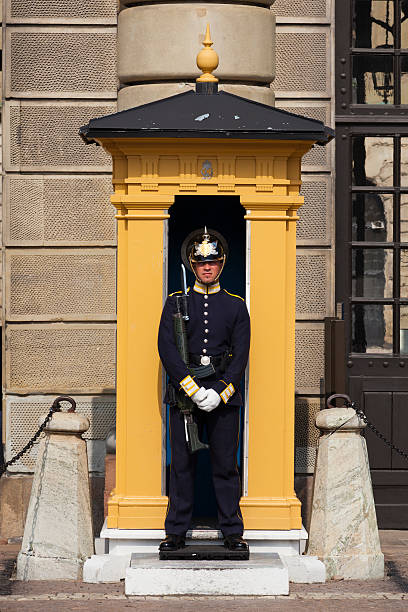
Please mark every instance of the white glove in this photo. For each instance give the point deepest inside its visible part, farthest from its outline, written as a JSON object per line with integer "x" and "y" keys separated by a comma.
{"x": 210, "y": 402}
{"x": 200, "y": 395}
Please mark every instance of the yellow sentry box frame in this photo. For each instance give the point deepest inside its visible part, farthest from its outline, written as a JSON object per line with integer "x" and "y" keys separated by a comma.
{"x": 257, "y": 158}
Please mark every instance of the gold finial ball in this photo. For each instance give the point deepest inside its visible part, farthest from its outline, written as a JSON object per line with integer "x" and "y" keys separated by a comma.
{"x": 207, "y": 59}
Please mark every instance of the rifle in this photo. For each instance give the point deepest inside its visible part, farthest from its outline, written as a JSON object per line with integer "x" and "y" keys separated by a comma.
{"x": 185, "y": 404}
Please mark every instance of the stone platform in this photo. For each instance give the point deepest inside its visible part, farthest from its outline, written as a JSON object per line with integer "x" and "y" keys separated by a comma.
{"x": 263, "y": 574}
{"x": 115, "y": 547}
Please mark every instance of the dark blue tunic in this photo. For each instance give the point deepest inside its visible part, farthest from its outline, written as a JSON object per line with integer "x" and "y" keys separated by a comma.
{"x": 218, "y": 322}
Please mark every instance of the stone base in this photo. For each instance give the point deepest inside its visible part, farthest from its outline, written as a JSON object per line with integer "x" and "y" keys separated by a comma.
{"x": 355, "y": 567}
{"x": 31, "y": 567}
{"x": 304, "y": 569}
{"x": 261, "y": 575}
{"x": 343, "y": 527}
{"x": 58, "y": 530}
{"x": 106, "y": 568}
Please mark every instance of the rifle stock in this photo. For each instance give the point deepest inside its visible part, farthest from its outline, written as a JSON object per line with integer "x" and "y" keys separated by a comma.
{"x": 185, "y": 404}
{"x": 194, "y": 443}
{"x": 180, "y": 336}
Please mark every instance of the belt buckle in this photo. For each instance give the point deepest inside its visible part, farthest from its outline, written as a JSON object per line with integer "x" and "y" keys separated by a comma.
{"x": 205, "y": 360}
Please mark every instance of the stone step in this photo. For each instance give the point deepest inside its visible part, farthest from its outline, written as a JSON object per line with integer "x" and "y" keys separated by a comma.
{"x": 263, "y": 574}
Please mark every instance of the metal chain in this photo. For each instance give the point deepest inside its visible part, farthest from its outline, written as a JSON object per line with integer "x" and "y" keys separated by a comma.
{"x": 363, "y": 417}
{"x": 373, "y": 428}
{"x": 54, "y": 408}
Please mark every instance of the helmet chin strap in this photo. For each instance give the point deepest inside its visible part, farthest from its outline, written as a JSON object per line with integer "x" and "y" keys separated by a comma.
{"x": 221, "y": 269}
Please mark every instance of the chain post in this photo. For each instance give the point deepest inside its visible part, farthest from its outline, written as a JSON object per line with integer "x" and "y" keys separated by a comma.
{"x": 54, "y": 408}
{"x": 359, "y": 412}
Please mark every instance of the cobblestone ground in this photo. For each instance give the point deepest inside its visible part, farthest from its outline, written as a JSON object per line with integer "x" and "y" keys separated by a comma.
{"x": 354, "y": 595}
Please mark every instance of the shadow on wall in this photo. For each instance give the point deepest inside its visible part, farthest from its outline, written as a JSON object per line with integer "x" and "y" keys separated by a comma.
{"x": 306, "y": 437}
{"x": 103, "y": 419}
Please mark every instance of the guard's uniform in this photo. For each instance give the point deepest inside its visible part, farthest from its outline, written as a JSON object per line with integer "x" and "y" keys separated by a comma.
{"x": 218, "y": 328}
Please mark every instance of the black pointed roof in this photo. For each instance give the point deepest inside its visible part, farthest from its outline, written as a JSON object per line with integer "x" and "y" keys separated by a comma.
{"x": 196, "y": 115}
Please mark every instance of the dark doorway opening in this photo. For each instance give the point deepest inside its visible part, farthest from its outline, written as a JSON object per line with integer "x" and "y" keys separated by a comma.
{"x": 226, "y": 215}
{"x": 222, "y": 213}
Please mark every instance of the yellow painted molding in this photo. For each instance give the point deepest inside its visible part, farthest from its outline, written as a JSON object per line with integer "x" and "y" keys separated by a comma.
{"x": 271, "y": 513}
{"x": 149, "y": 186}
{"x": 142, "y": 217}
{"x": 136, "y": 522}
{"x": 267, "y": 201}
{"x": 135, "y": 201}
{"x": 269, "y": 218}
{"x": 137, "y": 512}
{"x": 269, "y": 502}
{"x": 159, "y": 169}
{"x": 188, "y": 187}
{"x": 139, "y": 501}
{"x": 130, "y": 147}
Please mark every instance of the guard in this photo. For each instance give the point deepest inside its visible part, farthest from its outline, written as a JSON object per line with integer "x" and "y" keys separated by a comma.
{"x": 206, "y": 378}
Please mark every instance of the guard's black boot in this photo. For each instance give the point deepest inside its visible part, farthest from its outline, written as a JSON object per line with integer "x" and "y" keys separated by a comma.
{"x": 172, "y": 542}
{"x": 235, "y": 542}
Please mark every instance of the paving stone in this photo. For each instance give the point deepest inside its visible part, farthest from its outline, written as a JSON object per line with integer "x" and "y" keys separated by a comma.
{"x": 389, "y": 594}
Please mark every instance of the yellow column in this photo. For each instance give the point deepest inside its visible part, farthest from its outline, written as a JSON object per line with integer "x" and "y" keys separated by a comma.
{"x": 137, "y": 502}
{"x": 271, "y": 502}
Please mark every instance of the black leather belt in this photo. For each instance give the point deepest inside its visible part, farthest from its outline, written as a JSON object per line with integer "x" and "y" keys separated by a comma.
{"x": 215, "y": 360}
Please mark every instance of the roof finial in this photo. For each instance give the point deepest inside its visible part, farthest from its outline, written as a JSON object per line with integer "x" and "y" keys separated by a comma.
{"x": 207, "y": 60}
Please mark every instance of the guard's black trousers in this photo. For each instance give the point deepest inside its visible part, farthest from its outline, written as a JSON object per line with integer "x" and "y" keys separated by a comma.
{"x": 223, "y": 437}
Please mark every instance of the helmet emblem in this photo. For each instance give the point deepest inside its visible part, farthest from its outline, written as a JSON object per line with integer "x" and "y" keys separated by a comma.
{"x": 206, "y": 248}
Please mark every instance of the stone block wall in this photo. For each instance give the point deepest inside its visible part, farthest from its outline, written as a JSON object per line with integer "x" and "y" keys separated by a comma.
{"x": 59, "y": 235}
{"x": 304, "y": 85}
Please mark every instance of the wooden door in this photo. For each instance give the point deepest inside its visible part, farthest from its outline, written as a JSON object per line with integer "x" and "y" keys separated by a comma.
{"x": 385, "y": 402}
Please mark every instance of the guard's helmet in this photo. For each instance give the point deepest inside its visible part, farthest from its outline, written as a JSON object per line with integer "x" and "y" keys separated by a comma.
{"x": 204, "y": 245}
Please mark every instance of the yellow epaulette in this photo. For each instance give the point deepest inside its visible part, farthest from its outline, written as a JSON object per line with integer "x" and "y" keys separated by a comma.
{"x": 233, "y": 295}
{"x": 188, "y": 289}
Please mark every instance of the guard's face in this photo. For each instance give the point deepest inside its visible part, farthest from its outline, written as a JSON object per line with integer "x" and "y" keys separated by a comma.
{"x": 207, "y": 271}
